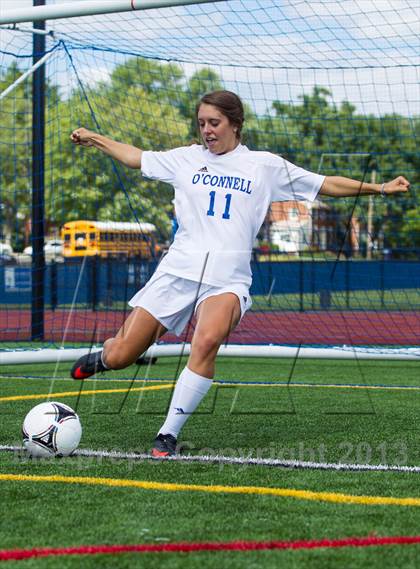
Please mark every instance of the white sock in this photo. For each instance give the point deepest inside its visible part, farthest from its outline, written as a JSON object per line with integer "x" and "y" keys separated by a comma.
{"x": 102, "y": 360}
{"x": 189, "y": 391}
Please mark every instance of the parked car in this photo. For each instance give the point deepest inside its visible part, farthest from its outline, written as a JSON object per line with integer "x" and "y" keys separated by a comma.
{"x": 52, "y": 248}
{"x": 6, "y": 248}
{"x": 7, "y": 259}
{"x": 7, "y": 256}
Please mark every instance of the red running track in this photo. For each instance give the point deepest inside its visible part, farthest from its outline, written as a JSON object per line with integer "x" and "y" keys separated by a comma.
{"x": 329, "y": 328}
{"x": 15, "y": 554}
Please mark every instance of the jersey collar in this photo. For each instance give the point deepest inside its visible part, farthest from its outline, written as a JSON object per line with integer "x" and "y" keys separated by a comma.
{"x": 220, "y": 157}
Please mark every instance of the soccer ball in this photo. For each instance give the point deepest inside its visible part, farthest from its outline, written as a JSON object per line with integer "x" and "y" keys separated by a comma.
{"x": 51, "y": 429}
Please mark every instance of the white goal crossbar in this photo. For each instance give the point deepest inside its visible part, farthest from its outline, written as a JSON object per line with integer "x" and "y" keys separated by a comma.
{"x": 90, "y": 8}
{"x": 51, "y": 355}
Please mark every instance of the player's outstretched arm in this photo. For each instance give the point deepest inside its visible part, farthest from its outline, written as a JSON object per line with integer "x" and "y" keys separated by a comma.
{"x": 340, "y": 187}
{"x": 125, "y": 153}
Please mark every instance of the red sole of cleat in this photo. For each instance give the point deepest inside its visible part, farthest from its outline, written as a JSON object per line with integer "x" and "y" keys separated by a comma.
{"x": 158, "y": 454}
{"x": 80, "y": 375}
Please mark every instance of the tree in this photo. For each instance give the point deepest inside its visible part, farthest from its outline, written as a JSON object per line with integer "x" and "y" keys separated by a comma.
{"x": 16, "y": 154}
{"x": 151, "y": 104}
{"x": 410, "y": 230}
{"x": 316, "y": 131}
{"x": 201, "y": 82}
{"x": 90, "y": 185}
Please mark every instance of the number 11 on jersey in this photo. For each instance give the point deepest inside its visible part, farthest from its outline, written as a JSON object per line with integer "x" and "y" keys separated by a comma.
{"x": 228, "y": 198}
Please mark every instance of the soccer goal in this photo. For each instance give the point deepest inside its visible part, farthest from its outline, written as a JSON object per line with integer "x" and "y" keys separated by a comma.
{"x": 331, "y": 86}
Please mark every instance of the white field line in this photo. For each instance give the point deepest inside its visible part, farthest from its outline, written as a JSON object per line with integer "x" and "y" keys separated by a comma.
{"x": 241, "y": 461}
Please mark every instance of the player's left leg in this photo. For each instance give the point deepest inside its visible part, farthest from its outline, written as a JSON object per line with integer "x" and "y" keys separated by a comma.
{"x": 217, "y": 316}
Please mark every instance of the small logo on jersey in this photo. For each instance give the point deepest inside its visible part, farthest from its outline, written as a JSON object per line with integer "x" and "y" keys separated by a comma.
{"x": 245, "y": 298}
{"x": 203, "y": 169}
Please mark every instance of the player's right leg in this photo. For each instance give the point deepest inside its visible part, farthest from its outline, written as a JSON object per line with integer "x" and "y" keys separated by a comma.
{"x": 217, "y": 316}
{"x": 139, "y": 331}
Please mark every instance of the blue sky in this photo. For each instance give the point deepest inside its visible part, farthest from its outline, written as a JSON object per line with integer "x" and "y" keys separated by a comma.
{"x": 364, "y": 51}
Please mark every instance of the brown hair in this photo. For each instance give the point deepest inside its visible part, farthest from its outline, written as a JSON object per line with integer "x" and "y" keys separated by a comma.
{"x": 229, "y": 104}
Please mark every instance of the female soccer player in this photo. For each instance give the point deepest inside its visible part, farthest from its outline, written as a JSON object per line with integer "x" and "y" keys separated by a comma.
{"x": 222, "y": 194}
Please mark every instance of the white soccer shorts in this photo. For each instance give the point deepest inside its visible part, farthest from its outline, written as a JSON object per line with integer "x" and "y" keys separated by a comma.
{"x": 173, "y": 300}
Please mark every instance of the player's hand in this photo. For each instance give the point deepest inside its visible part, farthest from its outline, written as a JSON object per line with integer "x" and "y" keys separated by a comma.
{"x": 396, "y": 186}
{"x": 82, "y": 136}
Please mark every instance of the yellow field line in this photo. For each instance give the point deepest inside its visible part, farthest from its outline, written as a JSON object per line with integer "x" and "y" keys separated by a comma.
{"x": 87, "y": 392}
{"x": 168, "y": 385}
{"x": 218, "y": 489}
{"x": 289, "y": 385}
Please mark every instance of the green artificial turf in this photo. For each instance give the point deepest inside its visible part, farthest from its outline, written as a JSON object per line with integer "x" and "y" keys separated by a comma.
{"x": 317, "y": 422}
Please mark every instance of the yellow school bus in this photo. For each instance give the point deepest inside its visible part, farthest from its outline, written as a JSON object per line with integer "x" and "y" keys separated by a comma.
{"x": 108, "y": 239}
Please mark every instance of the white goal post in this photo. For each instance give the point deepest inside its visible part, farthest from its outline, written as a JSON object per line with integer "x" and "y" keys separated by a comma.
{"x": 25, "y": 75}
{"x": 57, "y": 356}
{"x": 90, "y": 8}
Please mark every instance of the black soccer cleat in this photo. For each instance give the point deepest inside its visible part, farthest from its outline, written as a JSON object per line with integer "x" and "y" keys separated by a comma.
{"x": 88, "y": 365}
{"x": 164, "y": 445}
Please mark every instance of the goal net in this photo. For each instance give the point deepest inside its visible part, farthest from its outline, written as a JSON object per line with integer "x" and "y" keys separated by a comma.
{"x": 331, "y": 86}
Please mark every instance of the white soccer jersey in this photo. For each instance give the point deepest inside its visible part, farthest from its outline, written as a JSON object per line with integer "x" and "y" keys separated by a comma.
{"x": 220, "y": 204}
